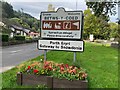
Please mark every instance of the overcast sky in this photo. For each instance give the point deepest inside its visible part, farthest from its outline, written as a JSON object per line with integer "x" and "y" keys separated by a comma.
{"x": 34, "y": 7}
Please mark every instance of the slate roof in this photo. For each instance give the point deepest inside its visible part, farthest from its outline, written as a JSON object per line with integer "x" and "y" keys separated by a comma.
{"x": 21, "y": 28}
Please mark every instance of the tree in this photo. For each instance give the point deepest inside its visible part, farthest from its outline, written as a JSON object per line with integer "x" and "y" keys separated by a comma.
{"x": 88, "y": 23}
{"x": 28, "y": 20}
{"x": 102, "y": 8}
{"x": 15, "y": 21}
{"x": 7, "y": 10}
{"x": 19, "y": 22}
{"x": 114, "y": 30}
{"x": 95, "y": 25}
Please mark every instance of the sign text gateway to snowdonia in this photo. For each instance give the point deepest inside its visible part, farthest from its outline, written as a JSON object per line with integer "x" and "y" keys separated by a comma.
{"x": 61, "y": 45}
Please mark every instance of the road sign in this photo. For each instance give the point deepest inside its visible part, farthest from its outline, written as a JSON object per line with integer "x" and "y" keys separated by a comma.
{"x": 61, "y": 24}
{"x": 60, "y": 45}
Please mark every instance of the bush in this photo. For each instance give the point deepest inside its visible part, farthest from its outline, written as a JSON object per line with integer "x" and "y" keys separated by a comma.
{"x": 5, "y": 37}
{"x": 19, "y": 38}
{"x": 28, "y": 38}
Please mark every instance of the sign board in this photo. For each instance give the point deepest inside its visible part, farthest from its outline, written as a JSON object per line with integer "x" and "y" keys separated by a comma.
{"x": 60, "y": 45}
{"x": 61, "y": 24}
{"x": 91, "y": 37}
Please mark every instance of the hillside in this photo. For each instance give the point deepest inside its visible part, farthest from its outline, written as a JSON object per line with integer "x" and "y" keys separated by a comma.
{"x": 19, "y": 18}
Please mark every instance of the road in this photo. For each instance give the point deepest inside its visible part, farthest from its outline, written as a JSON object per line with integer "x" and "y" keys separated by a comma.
{"x": 14, "y": 55}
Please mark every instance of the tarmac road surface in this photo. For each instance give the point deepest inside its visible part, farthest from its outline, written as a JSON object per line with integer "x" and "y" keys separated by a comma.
{"x": 16, "y": 54}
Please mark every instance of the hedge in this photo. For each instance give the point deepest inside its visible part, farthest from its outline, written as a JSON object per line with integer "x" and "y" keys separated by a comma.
{"x": 19, "y": 38}
{"x": 5, "y": 37}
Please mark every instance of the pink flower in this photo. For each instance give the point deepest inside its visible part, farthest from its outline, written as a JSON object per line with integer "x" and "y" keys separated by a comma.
{"x": 70, "y": 71}
{"x": 61, "y": 69}
{"x": 50, "y": 67}
{"x": 46, "y": 63}
{"x": 84, "y": 75}
{"x": 74, "y": 71}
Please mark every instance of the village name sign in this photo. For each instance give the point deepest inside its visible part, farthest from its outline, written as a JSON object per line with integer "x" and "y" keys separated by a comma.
{"x": 61, "y": 30}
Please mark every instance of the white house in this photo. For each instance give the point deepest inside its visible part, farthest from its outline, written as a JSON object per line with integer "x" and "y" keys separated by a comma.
{"x": 16, "y": 30}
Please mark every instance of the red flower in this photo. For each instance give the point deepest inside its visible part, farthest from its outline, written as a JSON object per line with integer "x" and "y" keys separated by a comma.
{"x": 35, "y": 71}
{"x": 28, "y": 67}
{"x": 45, "y": 67}
{"x": 62, "y": 66}
{"x": 66, "y": 65}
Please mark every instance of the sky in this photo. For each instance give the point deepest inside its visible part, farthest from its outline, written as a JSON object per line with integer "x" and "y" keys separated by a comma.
{"x": 34, "y": 7}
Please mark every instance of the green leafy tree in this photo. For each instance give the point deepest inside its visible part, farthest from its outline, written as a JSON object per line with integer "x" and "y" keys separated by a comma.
{"x": 102, "y": 8}
{"x": 88, "y": 25}
{"x": 7, "y": 10}
{"x": 15, "y": 21}
{"x": 27, "y": 20}
{"x": 114, "y": 30}
{"x": 95, "y": 25}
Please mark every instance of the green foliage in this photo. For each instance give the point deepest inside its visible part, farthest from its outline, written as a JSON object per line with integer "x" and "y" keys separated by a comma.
{"x": 101, "y": 66}
{"x": 5, "y": 30}
{"x": 7, "y": 10}
{"x": 97, "y": 26}
{"x": 5, "y": 38}
{"x": 56, "y": 70}
{"x": 28, "y": 38}
{"x": 15, "y": 21}
{"x": 19, "y": 38}
{"x": 113, "y": 30}
{"x": 102, "y": 8}
{"x": 27, "y": 21}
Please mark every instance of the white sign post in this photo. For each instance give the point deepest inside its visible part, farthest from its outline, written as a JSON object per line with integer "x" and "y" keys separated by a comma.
{"x": 91, "y": 38}
{"x": 61, "y": 30}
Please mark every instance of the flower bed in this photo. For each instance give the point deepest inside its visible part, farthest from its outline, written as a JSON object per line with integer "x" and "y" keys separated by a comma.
{"x": 53, "y": 75}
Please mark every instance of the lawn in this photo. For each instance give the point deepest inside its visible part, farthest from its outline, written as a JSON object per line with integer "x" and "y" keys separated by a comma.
{"x": 100, "y": 62}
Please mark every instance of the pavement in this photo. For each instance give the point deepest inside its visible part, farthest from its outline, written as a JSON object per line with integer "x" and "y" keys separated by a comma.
{"x": 16, "y": 54}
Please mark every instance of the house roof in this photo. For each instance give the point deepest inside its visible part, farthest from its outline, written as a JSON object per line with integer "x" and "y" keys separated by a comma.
{"x": 21, "y": 28}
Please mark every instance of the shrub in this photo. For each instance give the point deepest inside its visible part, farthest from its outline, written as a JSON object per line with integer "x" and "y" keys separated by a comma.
{"x": 28, "y": 38}
{"x": 5, "y": 37}
{"x": 19, "y": 38}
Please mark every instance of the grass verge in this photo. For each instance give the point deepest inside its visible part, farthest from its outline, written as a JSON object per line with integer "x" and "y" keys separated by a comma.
{"x": 101, "y": 63}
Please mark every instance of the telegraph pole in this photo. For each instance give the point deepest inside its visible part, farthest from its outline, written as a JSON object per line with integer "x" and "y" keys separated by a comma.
{"x": 76, "y": 4}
